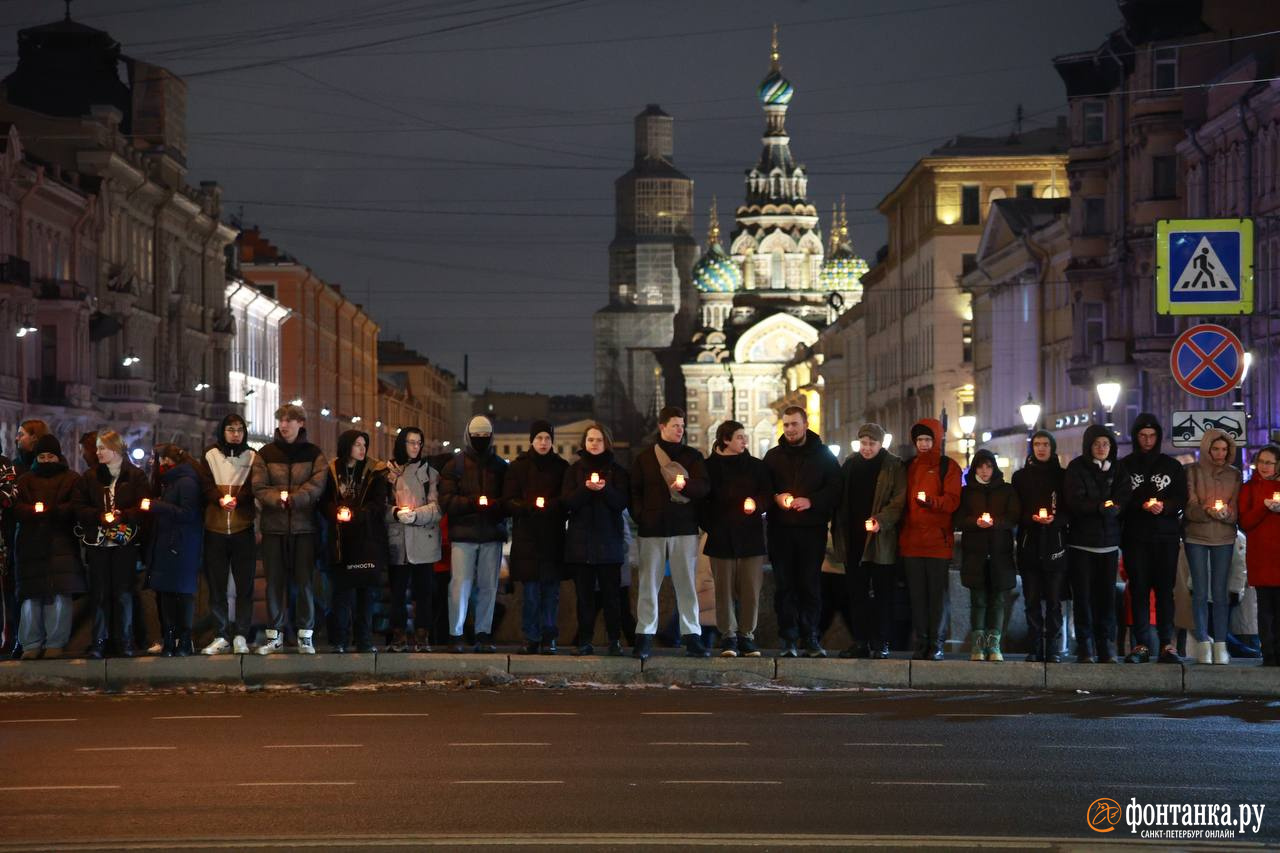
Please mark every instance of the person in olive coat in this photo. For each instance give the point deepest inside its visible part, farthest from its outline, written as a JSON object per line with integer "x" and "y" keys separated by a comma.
{"x": 733, "y": 516}
{"x": 531, "y": 493}
{"x": 988, "y": 514}
{"x": 595, "y": 492}
{"x": 177, "y": 544}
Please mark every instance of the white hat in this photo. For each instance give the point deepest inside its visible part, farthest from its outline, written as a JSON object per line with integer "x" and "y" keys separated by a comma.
{"x": 479, "y": 425}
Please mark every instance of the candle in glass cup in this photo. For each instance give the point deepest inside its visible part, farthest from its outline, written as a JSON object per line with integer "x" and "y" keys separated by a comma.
{"x": 1218, "y": 505}
{"x": 540, "y": 502}
{"x": 787, "y": 501}
{"x": 344, "y": 513}
{"x": 595, "y": 477}
{"x": 1275, "y": 496}
{"x": 145, "y": 505}
{"x": 1044, "y": 513}
{"x": 284, "y": 496}
{"x": 227, "y": 501}
{"x": 109, "y": 517}
{"x": 749, "y": 506}
{"x": 483, "y": 500}
{"x": 1108, "y": 504}
{"x": 680, "y": 481}
{"x": 39, "y": 506}
{"x": 986, "y": 518}
{"x": 1151, "y": 502}
{"x": 920, "y": 496}
{"x": 870, "y": 524}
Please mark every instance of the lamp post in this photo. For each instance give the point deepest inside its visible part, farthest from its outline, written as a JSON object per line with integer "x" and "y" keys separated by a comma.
{"x": 1030, "y": 411}
{"x": 1108, "y": 394}
{"x": 967, "y": 425}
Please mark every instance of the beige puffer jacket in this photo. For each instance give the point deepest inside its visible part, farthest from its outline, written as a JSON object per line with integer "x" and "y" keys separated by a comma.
{"x": 1206, "y": 484}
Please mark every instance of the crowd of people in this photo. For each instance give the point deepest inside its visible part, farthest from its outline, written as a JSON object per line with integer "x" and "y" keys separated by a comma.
{"x": 385, "y": 525}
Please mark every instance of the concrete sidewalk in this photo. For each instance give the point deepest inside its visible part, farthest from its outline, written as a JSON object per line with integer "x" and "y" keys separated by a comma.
{"x": 1241, "y": 678}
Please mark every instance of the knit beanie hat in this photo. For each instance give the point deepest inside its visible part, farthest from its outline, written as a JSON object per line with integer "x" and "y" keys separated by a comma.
{"x": 919, "y": 430}
{"x": 541, "y": 426}
{"x": 479, "y": 425}
{"x": 47, "y": 443}
{"x": 875, "y": 432}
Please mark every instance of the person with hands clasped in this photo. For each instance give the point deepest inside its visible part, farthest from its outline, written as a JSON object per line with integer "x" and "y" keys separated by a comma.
{"x": 595, "y": 493}
{"x": 413, "y": 533}
{"x": 989, "y": 512}
{"x": 177, "y": 543}
{"x": 926, "y": 541}
{"x": 230, "y": 534}
{"x": 1097, "y": 490}
{"x": 1260, "y": 521}
{"x": 1213, "y": 494}
{"x": 1042, "y": 546}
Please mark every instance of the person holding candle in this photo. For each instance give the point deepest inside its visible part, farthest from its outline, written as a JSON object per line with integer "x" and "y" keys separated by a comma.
{"x": 865, "y": 533}
{"x": 470, "y": 493}
{"x": 176, "y": 543}
{"x": 1152, "y": 525}
{"x": 413, "y": 525}
{"x": 595, "y": 493}
{"x": 926, "y": 540}
{"x": 230, "y": 535}
{"x": 355, "y": 504}
{"x": 668, "y": 481}
{"x": 1260, "y": 521}
{"x": 1213, "y": 493}
{"x": 531, "y": 494}
{"x": 806, "y": 489}
{"x": 108, "y": 517}
{"x": 1041, "y": 546}
{"x": 1096, "y": 487}
{"x": 733, "y": 517}
{"x": 46, "y": 553}
{"x": 989, "y": 512}
{"x": 288, "y": 477}
{"x": 24, "y": 457}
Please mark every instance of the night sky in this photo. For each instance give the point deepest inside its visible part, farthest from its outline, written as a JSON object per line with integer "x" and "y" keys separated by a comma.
{"x": 451, "y": 163}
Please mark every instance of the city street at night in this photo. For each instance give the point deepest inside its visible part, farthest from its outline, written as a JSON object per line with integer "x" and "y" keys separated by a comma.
{"x": 615, "y": 769}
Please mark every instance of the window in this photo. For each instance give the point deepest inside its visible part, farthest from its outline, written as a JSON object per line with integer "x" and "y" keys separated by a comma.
{"x": 969, "y": 207}
{"x": 1094, "y": 328}
{"x": 1164, "y": 68}
{"x": 968, "y": 263}
{"x": 1026, "y": 190}
{"x": 1095, "y": 216}
{"x": 1164, "y": 177}
{"x": 1095, "y": 122}
{"x": 966, "y": 337}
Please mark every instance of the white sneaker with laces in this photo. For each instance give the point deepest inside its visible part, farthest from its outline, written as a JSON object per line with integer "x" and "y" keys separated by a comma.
{"x": 239, "y": 646}
{"x": 305, "y": 647}
{"x": 218, "y": 647}
{"x": 1220, "y": 653}
{"x": 274, "y": 643}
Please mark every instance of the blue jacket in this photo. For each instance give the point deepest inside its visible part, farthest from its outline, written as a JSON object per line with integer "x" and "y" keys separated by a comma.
{"x": 177, "y": 537}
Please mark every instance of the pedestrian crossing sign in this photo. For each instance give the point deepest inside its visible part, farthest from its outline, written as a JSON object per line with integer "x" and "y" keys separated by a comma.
{"x": 1204, "y": 267}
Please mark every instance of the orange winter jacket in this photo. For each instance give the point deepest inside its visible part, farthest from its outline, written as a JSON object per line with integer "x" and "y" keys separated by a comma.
{"x": 926, "y": 528}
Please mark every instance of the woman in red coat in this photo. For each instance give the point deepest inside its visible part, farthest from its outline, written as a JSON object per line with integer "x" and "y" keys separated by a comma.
{"x": 1260, "y": 521}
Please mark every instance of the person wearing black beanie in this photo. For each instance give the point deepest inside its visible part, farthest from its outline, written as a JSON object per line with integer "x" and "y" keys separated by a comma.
{"x": 1041, "y": 546}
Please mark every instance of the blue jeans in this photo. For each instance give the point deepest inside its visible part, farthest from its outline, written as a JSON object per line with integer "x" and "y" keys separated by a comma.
{"x": 46, "y": 623}
{"x": 539, "y": 615}
{"x": 1210, "y": 565}
{"x": 474, "y": 564}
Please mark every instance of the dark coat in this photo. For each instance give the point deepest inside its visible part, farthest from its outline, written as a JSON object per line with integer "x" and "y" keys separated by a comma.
{"x": 596, "y": 532}
{"x": 651, "y": 501}
{"x": 462, "y": 481}
{"x": 537, "y": 535}
{"x": 298, "y": 468}
{"x": 1153, "y": 475}
{"x": 731, "y": 532}
{"x": 91, "y": 499}
{"x": 1041, "y": 485}
{"x": 359, "y": 550}
{"x": 45, "y": 549}
{"x": 978, "y": 545}
{"x": 1087, "y": 487}
{"x": 808, "y": 471}
{"x": 888, "y": 502}
{"x": 177, "y": 535}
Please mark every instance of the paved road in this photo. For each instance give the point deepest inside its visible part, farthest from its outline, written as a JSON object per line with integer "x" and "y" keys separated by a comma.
{"x": 615, "y": 769}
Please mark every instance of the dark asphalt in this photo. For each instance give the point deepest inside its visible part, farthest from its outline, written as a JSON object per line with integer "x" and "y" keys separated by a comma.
{"x": 616, "y": 768}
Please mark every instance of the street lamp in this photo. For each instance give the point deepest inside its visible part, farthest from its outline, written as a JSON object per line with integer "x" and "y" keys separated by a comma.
{"x": 1108, "y": 394}
{"x": 1030, "y": 411}
{"x": 967, "y": 425}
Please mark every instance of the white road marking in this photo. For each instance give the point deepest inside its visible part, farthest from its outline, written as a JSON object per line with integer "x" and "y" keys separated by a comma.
{"x": 122, "y": 748}
{"x": 503, "y": 743}
{"x": 676, "y": 713}
{"x": 46, "y": 720}
{"x": 893, "y": 744}
{"x": 823, "y": 713}
{"x": 982, "y": 715}
{"x": 531, "y": 714}
{"x": 507, "y": 782}
{"x": 1166, "y": 787}
{"x": 201, "y": 717}
{"x": 698, "y": 743}
{"x": 1075, "y": 746}
{"x": 379, "y": 715}
{"x": 289, "y": 784}
{"x": 61, "y": 788}
{"x": 314, "y": 746}
{"x": 720, "y": 782}
{"x": 942, "y": 784}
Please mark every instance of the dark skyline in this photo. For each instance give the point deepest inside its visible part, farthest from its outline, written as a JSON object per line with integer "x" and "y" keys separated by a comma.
{"x": 451, "y": 164}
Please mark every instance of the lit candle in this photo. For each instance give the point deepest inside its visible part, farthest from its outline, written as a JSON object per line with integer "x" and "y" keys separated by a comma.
{"x": 284, "y": 496}
{"x": 749, "y": 506}
{"x": 483, "y": 501}
{"x": 344, "y": 514}
{"x": 1151, "y": 502}
{"x": 870, "y": 524}
{"x": 920, "y": 496}
{"x": 679, "y": 481}
{"x": 1108, "y": 504}
{"x": 227, "y": 501}
{"x": 595, "y": 477}
{"x": 109, "y": 517}
{"x": 1044, "y": 513}
{"x": 985, "y": 518}
{"x": 787, "y": 501}
{"x": 145, "y": 505}
{"x": 39, "y": 506}
{"x": 1275, "y": 496}
{"x": 1217, "y": 505}
{"x": 540, "y": 502}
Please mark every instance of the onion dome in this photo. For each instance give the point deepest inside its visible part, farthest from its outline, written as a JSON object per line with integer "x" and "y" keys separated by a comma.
{"x": 715, "y": 271}
{"x": 775, "y": 90}
{"x": 843, "y": 270}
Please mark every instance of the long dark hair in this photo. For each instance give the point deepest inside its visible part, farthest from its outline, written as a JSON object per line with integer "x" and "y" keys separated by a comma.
{"x": 169, "y": 451}
{"x": 724, "y": 433}
{"x": 401, "y": 451}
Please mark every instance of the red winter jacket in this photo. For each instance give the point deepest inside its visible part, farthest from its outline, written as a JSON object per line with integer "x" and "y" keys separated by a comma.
{"x": 1261, "y": 528}
{"x": 926, "y": 528}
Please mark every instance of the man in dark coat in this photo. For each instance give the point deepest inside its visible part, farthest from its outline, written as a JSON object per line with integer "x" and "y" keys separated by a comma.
{"x": 1152, "y": 537}
{"x": 806, "y": 486}
{"x": 668, "y": 480}
{"x": 471, "y": 496}
{"x": 1042, "y": 546}
{"x": 29, "y": 432}
{"x": 531, "y": 494}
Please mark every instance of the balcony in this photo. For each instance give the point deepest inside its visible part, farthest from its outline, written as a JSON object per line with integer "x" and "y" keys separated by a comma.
{"x": 15, "y": 270}
{"x": 55, "y": 392}
{"x": 135, "y": 390}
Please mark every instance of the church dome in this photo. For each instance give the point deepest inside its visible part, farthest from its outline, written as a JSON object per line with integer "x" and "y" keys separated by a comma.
{"x": 776, "y": 90}
{"x": 843, "y": 270}
{"x": 715, "y": 271}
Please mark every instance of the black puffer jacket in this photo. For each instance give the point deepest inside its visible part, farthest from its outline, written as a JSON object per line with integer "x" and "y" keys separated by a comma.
{"x": 463, "y": 480}
{"x": 358, "y": 549}
{"x": 1040, "y": 485}
{"x": 652, "y": 505}
{"x": 45, "y": 549}
{"x": 1088, "y": 487}
{"x": 806, "y": 471}
{"x": 1153, "y": 475}
{"x": 596, "y": 533}
{"x": 731, "y": 532}
{"x": 537, "y": 534}
{"x": 980, "y": 544}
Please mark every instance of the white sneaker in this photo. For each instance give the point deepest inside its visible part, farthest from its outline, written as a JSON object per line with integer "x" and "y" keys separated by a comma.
{"x": 1204, "y": 651}
{"x": 155, "y": 648}
{"x": 305, "y": 646}
{"x": 218, "y": 647}
{"x": 274, "y": 643}
{"x": 1220, "y": 653}
{"x": 239, "y": 646}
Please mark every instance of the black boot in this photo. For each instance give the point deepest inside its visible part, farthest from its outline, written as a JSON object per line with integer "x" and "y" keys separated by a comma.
{"x": 858, "y": 649}
{"x": 1084, "y": 651}
{"x": 1107, "y": 651}
{"x": 97, "y": 650}
{"x": 939, "y": 651}
{"x": 643, "y": 647}
{"x": 693, "y": 647}
{"x": 169, "y": 643}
